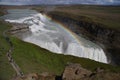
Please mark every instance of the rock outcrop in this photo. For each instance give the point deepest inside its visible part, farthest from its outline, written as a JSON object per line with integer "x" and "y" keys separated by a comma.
{"x": 74, "y": 72}
{"x": 77, "y": 72}
{"x": 16, "y": 28}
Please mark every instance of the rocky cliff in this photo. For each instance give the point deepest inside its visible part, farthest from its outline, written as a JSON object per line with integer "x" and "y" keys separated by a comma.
{"x": 93, "y": 31}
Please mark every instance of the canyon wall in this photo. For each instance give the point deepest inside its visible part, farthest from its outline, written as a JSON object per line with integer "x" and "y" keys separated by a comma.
{"x": 93, "y": 31}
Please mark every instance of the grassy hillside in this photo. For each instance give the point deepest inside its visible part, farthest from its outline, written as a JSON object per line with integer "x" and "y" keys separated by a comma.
{"x": 6, "y": 70}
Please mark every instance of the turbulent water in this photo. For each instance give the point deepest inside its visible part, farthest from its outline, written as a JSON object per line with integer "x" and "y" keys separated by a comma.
{"x": 54, "y": 37}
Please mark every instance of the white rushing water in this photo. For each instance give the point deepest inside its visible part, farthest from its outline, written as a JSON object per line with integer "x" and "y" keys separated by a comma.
{"x": 54, "y": 37}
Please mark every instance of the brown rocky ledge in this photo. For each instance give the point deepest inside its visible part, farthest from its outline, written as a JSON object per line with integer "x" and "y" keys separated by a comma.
{"x": 74, "y": 71}
{"x": 16, "y": 27}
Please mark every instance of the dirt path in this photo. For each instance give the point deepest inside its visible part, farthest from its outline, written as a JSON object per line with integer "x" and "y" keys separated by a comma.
{"x": 9, "y": 56}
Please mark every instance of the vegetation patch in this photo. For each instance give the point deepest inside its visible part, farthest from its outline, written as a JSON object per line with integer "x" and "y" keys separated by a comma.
{"x": 6, "y": 70}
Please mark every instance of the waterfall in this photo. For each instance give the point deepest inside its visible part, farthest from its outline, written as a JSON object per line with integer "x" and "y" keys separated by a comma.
{"x": 54, "y": 37}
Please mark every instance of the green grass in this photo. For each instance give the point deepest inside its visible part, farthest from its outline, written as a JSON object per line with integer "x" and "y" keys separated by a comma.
{"x": 3, "y": 43}
{"x": 6, "y": 71}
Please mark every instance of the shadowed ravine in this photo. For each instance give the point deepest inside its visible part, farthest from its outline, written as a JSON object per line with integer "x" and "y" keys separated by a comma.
{"x": 54, "y": 37}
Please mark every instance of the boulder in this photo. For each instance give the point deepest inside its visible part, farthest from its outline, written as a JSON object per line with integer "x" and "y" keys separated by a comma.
{"x": 74, "y": 72}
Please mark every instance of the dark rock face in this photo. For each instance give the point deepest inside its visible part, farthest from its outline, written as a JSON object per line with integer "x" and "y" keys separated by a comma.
{"x": 95, "y": 32}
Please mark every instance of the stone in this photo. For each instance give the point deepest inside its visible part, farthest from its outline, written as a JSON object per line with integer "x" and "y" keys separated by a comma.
{"x": 74, "y": 72}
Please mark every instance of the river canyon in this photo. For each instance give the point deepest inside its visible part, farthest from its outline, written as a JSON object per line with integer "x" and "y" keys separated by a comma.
{"x": 53, "y": 36}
